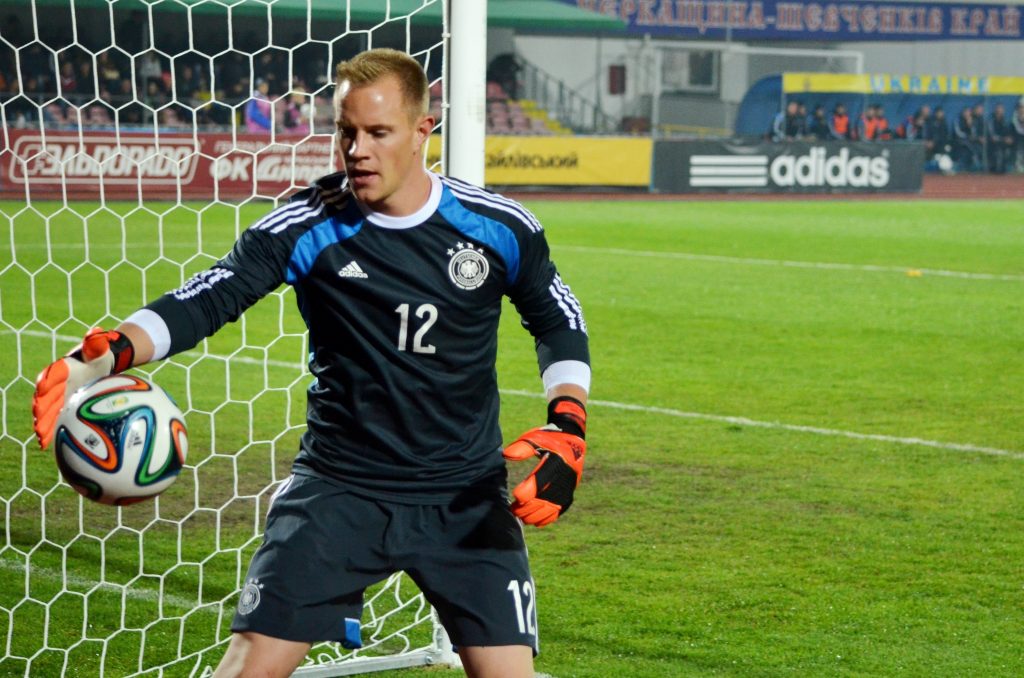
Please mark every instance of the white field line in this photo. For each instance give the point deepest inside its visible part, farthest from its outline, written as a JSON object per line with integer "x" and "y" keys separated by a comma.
{"x": 817, "y": 430}
{"x": 681, "y": 414}
{"x": 832, "y": 266}
{"x": 149, "y": 595}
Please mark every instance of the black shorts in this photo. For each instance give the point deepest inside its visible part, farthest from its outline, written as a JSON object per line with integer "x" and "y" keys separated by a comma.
{"x": 323, "y": 546}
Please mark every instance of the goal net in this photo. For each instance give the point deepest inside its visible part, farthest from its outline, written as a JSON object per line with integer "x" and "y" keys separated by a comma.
{"x": 139, "y": 139}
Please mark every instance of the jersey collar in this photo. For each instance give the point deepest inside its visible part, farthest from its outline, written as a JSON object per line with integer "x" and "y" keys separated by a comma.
{"x": 408, "y": 221}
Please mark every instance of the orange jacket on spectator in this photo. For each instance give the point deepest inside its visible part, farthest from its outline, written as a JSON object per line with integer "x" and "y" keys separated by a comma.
{"x": 841, "y": 126}
{"x": 882, "y": 131}
{"x": 868, "y": 127}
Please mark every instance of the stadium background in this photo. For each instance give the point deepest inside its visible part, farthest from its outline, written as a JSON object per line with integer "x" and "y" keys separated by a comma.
{"x": 806, "y": 444}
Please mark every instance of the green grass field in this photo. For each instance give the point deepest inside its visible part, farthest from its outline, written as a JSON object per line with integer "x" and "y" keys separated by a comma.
{"x": 806, "y": 442}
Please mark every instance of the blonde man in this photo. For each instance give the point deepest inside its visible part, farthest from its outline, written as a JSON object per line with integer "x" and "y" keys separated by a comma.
{"x": 399, "y": 274}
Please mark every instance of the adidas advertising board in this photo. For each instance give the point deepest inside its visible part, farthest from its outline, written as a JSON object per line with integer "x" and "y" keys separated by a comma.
{"x": 804, "y": 167}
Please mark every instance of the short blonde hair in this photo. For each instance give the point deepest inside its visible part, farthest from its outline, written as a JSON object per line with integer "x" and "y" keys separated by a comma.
{"x": 372, "y": 65}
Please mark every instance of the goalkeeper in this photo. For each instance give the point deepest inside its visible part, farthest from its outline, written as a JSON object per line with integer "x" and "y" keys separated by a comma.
{"x": 399, "y": 274}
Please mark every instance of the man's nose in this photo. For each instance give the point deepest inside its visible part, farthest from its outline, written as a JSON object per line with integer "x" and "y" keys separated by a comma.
{"x": 357, "y": 148}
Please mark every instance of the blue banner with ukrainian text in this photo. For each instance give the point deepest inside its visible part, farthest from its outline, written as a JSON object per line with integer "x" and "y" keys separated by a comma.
{"x": 804, "y": 20}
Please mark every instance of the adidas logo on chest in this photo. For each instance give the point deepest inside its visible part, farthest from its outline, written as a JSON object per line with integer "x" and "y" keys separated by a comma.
{"x": 352, "y": 270}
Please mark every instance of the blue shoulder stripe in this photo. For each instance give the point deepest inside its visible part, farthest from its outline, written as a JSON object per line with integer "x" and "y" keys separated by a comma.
{"x": 482, "y": 229}
{"x": 472, "y": 193}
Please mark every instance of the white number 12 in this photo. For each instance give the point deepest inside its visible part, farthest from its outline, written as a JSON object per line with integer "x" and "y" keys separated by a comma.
{"x": 425, "y": 312}
{"x": 524, "y": 617}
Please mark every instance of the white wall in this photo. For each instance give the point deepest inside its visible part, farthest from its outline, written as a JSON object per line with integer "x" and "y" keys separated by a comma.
{"x": 582, "y": 64}
{"x": 943, "y": 58}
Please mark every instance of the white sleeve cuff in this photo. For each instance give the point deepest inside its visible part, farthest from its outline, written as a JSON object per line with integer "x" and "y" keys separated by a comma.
{"x": 567, "y": 372}
{"x": 153, "y": 325}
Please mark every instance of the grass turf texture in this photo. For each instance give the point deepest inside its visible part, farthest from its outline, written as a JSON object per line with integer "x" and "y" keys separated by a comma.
{"x": 696, "y": 546}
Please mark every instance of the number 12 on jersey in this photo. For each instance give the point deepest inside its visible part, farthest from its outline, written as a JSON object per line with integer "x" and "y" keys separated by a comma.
{"x": 425, "y": 312}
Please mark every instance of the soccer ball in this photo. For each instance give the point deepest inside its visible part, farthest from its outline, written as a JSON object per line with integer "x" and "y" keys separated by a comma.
{"x": 944, "y": 162}
{"x": 120, "y": 440}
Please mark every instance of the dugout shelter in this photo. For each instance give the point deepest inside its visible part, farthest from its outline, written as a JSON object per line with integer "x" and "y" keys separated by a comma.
{"x": 900, "y": 94}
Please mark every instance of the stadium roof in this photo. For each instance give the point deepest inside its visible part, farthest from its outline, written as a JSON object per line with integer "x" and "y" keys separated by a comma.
{"x": 543, "y": 15}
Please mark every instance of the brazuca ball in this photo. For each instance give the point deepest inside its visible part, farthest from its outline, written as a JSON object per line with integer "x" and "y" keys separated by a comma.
{"x": 120, "y": 440}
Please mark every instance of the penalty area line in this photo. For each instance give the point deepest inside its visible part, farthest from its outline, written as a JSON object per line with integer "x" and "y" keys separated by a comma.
{"x": 753, "y": 261}
{"x": 816, "y": 430}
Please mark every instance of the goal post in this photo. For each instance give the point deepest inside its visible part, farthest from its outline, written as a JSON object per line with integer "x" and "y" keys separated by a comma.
{"x": 138, "y": 140}
{"x": 467, "y": 70}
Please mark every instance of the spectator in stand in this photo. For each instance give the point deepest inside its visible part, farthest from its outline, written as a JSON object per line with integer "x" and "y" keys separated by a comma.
{"x": 777, "y": 132}
{"x": 108, "y": 71}
{"x": 839, "y": 124}
{"x": 37, "y": 64}
{"x": 33, "y": 91}
{"x": 1001, "y": 144}
{"x": 866, "y": 125}
{"x": 186, "y": 82}
{"x": 19, "y": 111}
{"x": 269, "y": 69}
{"x": 967, "y": 144}
{"x": 802, "y": 121}
{"x": 913, "y": 127}
{"x": 296, "y": 113}
{"x": 133, "y": 113}
{"x": 147, "y": 68}
{"x": 980, "y": 131}
{"x": 85, "y": 88}
{"x": 68, "y": 80}
{"x": 882, "y": 129}
{"x": 788, "y": 124}
{"x": 1018, "y": 136}
{"x": 154, "y": 97}
{"x": 258, "y": 110}
{"x": 504, "y": 70}
{"x": 937, "y": 136}
{"x": 819, "y": 127}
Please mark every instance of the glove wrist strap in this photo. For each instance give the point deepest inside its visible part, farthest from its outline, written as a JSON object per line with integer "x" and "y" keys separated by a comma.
{"x": 569, "y": 415}
{"x": 123, "y": 351}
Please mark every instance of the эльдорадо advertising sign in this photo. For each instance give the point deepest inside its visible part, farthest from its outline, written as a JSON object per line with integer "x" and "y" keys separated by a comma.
{"x": 135, "y": 166}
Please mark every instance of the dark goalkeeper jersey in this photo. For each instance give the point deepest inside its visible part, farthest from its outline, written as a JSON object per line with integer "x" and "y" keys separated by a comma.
{"x": 403, "y": 317}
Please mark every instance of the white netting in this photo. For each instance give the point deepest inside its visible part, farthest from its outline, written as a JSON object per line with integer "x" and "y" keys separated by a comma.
{"x": 139, "y": 139}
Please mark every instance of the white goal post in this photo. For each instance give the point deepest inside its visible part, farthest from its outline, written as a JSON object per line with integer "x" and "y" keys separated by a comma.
{"x": 139, "y": 138}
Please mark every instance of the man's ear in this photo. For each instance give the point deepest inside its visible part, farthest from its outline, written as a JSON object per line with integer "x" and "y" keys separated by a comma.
{"x": 424, "y": 126}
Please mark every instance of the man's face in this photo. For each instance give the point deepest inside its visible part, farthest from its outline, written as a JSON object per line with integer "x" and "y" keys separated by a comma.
{"x": 381, "y": 144}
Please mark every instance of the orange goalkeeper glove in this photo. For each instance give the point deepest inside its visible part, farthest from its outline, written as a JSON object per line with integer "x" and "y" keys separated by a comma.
{"x": 547, "y": 492}
{"x": 102, "y": 352}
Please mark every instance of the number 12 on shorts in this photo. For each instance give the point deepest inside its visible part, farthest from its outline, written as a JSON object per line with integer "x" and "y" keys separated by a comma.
{"x": 526, "y": 612}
